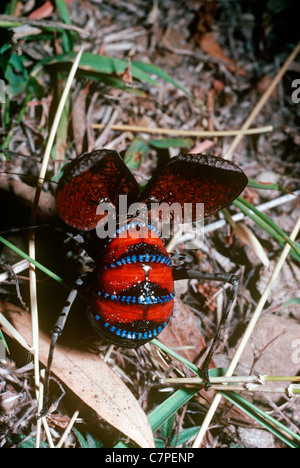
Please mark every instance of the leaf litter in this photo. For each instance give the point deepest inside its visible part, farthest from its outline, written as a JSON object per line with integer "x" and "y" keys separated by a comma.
{"x": 221, "y": 53}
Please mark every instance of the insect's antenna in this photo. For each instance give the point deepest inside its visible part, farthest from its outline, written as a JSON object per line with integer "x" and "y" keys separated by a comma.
{"x": 7, "y": 152}
{"x": 55, "y": 333}
{"x": 24, "y": 228}
{"x": 69, "y": 235}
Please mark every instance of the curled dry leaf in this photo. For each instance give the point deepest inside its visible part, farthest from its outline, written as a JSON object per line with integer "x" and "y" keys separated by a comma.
{"x": 247, "y": 236}
{"x": 208, "y": 43}
{"x": 92, "y": 380}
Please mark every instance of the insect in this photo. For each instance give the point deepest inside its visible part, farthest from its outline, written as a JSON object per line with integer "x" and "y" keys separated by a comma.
{"x": 130, "y": 293}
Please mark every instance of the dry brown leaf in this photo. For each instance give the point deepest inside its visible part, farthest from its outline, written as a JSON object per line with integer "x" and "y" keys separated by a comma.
{"x": 79, "y": 118}
{"x": 211, "y": 47}
{"x": 24, "y": 192}
{"x": 247, "y": 236}
{"x": 201, "y": 147}
{"x": 182, "y": 331}
{"x": 264, "y": 83}
{"x": 90, "y": 379}
{"x": 45, "y": 11}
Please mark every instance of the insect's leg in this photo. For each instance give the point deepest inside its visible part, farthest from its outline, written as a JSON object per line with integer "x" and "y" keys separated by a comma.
{"x": 233, "y": 280}
{"x": 55, "y": 333}
{"x": 180, "y": 259}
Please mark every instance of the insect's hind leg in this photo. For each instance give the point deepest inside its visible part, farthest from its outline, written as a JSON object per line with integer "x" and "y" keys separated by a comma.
{"x": 186, "y": 273}
{"x": 55, "y": 333}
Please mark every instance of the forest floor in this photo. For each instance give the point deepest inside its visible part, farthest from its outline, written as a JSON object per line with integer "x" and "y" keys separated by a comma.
{"x": 209, "y": 64}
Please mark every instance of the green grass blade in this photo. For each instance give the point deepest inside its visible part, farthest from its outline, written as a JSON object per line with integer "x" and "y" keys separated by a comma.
{"x": 99, "y": 64}
{"x": 11, "y": 7}
{"x": 167, "y": 427}
{"x": 170, "y": 406}
{"x": 115, "y": 82}
{"x": 31, "y": 443}
{"x": 253, "y": 183}
{"x": 111, "y": 65}
{"x": 89, "y": 442}
{"x": 172, "y": 353}
{"x": 2, "y": 338}
{"x": 171, "y": 143}
{"x": 63, "y": 11}
{"x": 184, "y": 436}
{"x": 293, "y": 301}
{"x": 275, "y": 427}
{"x": 154, "y": 70}
{"x": 31, "y": 260}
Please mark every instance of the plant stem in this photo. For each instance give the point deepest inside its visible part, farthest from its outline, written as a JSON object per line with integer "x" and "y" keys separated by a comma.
{"x": 195, "y": 133}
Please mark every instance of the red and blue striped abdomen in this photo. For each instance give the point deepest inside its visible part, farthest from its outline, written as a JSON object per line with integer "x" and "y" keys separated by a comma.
{"x": 132, "y": 295}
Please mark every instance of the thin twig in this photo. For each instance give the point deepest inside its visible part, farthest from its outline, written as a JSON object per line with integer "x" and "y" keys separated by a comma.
{"x": 180, "y": 132}
{"x": 39, "y": 23}
{"x": 43, "y": 420}
{"x": 251, "y": 389}
{"x": 255, "y": 379}
{"x": 101, "y": 140}
{"x": 70, "y": 425}
{"x": 16, "y": 269}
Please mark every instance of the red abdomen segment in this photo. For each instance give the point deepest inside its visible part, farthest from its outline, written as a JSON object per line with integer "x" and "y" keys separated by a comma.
{"x": 132, "y": 294}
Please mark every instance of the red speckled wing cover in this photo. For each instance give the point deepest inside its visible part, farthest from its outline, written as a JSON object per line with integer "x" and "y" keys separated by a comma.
{"x": 101, "y": 176}
{"x": 196, "y": 178}
{"x": 93, "y": 178}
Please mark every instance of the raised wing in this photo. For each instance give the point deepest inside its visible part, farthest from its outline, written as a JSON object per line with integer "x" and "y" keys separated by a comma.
{"x": 195, "y": 178}
{"x": 91, "y": 179}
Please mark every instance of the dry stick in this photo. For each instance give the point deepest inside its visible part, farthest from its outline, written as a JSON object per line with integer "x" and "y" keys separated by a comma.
{"x": 69, "y": 426}
{"x": 35, "y": 327}
{"x": 40, "y": 407}
{"x": 32, "y": 274}
{"x": 38, "y": 23}
{"x": 247, "y": 334}
{"x": 14, "y": 333}
{"x": 195, "y": 133}
{"x": 262, "y": 101}
{"x": 253, "y": 379}
{"x": 103, "y": 137}
{"x": 252, "y": 389}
